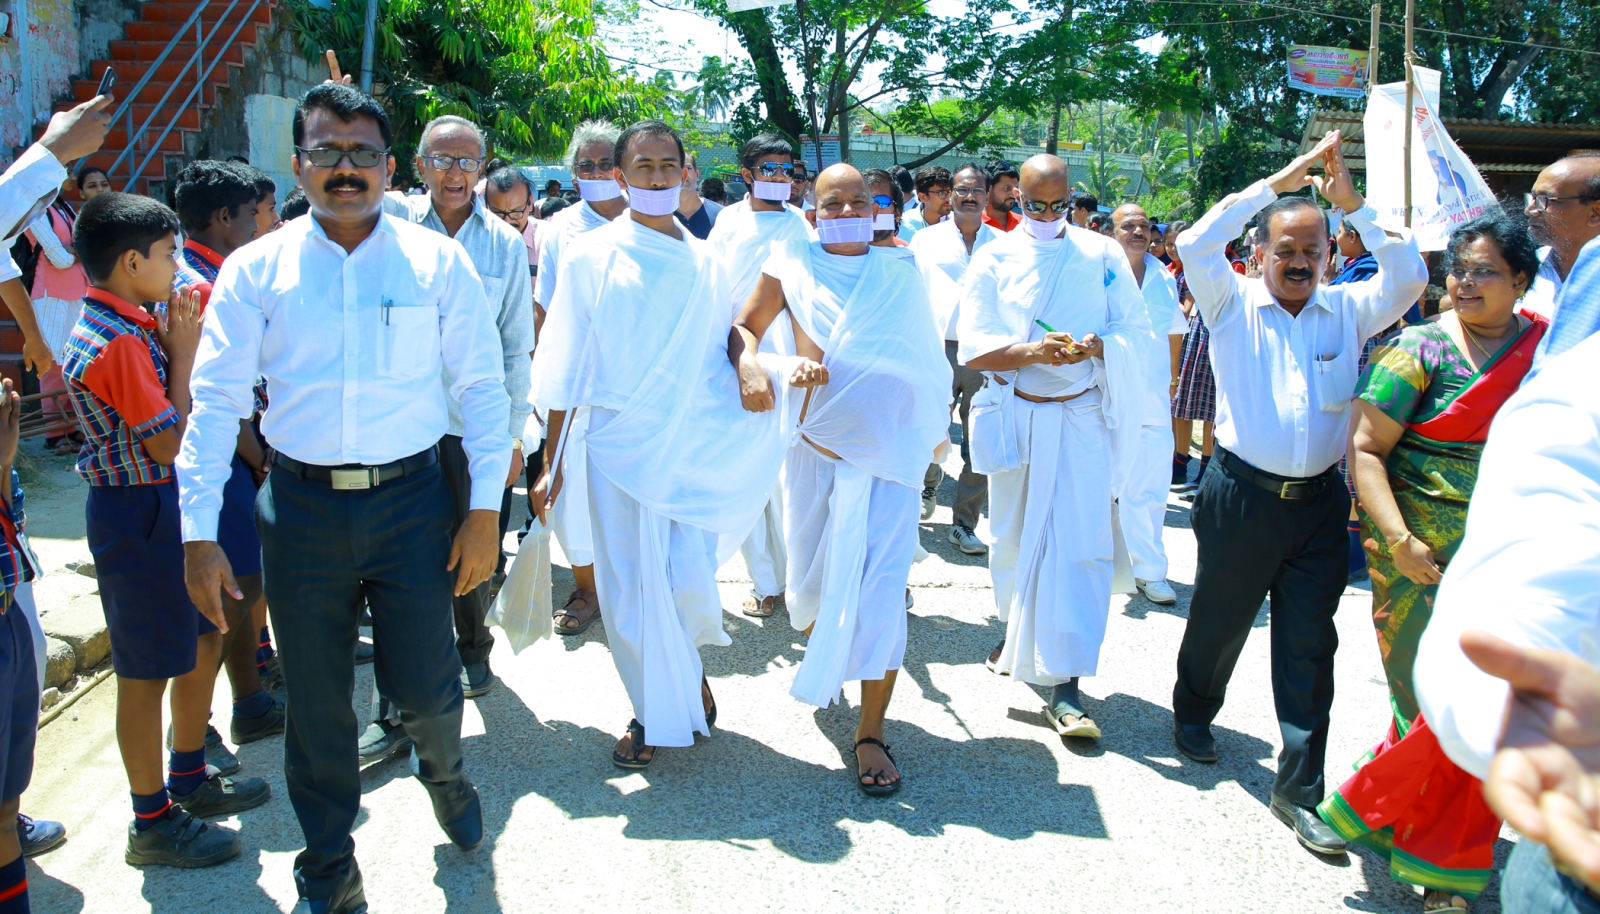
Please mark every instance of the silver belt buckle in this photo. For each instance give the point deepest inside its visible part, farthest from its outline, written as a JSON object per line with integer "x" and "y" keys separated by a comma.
{"x": 351, "y": 479}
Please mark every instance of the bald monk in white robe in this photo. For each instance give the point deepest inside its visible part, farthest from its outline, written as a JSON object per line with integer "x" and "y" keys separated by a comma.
{"x": 1051, "y": 313}
{"x": 637, "y": 333}
{"x": 876, "y": 406}
{"x": 743, "y": 238}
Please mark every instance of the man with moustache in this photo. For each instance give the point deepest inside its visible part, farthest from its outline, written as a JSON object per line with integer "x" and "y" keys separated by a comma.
{"x": 932, "y": 185}
{"x": 1270, "y": 516}
{"x": 508, "y": 193}
{"x": 999, "y": 211}
{"x": 352, "y": 307}
{"x": 944, "y": 251}
{"x": 638, "y": 334}
{"x": 1052, "y": 314}
{"x": 1563, "y": 215}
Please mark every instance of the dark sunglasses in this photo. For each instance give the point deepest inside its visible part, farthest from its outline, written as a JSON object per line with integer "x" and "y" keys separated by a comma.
{"x": 769, "y": 169}
{"x": 884, "y": 201}
{"x": 328, "y": 158}
{"x": 1034, "y": 206}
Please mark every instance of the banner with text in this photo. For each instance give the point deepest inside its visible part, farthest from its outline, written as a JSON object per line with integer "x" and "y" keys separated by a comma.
{"x": 1328, "y": 71}
{"x": 1446, "y": 189}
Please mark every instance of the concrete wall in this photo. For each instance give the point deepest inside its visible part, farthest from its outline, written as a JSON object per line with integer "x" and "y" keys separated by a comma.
{"x": 37, "y": 62}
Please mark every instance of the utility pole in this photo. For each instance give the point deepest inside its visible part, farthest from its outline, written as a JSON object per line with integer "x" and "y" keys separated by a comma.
{"x": 1411, "y": 84}
{"x": 1372, "y": 52}
{"x": 366, "y": 46}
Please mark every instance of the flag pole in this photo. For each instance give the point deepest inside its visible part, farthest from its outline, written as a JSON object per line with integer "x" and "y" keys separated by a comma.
{"x": 1411, "y": 15}
{"x": 1372, "y": 51}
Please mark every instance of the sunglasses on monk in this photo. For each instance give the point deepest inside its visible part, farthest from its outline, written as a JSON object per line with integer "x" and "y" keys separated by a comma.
{"x": 328, "y": 158}
{"x": 1035, "y": 207}
{"x": 768, "y": 169}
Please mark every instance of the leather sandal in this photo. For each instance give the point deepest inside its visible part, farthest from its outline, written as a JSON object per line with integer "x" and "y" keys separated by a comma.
{"x": 875, "y": 789}
{"x": 636, "y": 731}
{"x": 589, "y": 599}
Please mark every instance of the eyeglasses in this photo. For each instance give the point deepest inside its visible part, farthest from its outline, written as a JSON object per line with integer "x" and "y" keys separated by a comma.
{"x": 969, "y": 192}
{"x": 800, "y": 177}
{"x": 1059, "y": 207}
{"x": 328, "y": 158}
{"x": 943, "y": 193}
{"x": 884, "y": 201}
{"x": 1540, "y": 202}
{"x": 509, "y": 214}
{"x": 443, "y": 163}
{"x": 769, "y": 169}
{"x": 590, "y": 165}
{"x": 1478, "y": 275}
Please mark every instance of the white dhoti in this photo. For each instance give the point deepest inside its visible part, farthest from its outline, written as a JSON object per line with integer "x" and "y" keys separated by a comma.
{"x": 851, "y": 538}
{"x": 1050, "y": 559}
{"x": 1142, "y": 506}
{"x": 658, "y": 583}
{"x": 765, "y": 556}
{"x": 569, "y": 519}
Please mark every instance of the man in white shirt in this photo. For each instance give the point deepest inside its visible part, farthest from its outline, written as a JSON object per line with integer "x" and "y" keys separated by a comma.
{"x": 933, "y": 201}
{"x": 1051, "y": 313}
{"x": 352, "y": 316}
{"x": 1563, "y": 214}
{"x": 1142, "y": 502}
{"x": 862, "y": 336}
{"x": 943, "y": 252}
{"x": 590, "y": 156}
{"x": 675, "y": 463}
{"x": 743, "y": 239}
{"x": 1273, "y": 521}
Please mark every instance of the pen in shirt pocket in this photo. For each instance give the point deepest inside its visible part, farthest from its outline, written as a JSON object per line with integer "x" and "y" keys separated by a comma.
{"x": 385, "y": 307}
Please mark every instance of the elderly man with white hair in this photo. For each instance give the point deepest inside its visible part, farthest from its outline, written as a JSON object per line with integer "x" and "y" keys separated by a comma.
{"x": 449, "y": 159}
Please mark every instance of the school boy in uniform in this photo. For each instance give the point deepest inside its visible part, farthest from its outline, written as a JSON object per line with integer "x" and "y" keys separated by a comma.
{"x": 217, "y": 206}
{"x": 128, "y": 375}
{"x": 19, "y": 683}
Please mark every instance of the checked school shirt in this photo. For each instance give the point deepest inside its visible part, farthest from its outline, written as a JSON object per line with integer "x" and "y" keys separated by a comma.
{"x": 116, "y": 374}
{"x": 14, "y": 568}
{"x": 198, "y": 266}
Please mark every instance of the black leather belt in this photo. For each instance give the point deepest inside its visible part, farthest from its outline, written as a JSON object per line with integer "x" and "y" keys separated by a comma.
{"x": 1291, "y": 488}
{"x": 356, "y": 476}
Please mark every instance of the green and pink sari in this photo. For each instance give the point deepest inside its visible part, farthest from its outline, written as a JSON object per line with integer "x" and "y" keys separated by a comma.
{"x": 1407, "y": 800}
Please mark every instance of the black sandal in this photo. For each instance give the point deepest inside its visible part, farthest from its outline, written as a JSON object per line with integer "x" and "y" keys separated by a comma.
{"x": 565, "y": 611}
{"x": 711, "y": 715}
{"x": 635, "y": 730}
{"x": 875, "y": 789}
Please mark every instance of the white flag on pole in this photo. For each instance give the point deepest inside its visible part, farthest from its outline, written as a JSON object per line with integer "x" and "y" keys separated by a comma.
{"x": 1446, "y": 189}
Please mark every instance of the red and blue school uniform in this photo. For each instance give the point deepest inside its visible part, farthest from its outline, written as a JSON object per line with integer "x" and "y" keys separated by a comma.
{"x": 236, "y": 523}
{"x": 19, "y": 677}
{"x": 116, "y": 374}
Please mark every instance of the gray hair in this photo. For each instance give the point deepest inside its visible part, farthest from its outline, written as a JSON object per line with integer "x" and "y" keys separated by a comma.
{"x": 451, "y": 120}
{"x": 591, "y": 132}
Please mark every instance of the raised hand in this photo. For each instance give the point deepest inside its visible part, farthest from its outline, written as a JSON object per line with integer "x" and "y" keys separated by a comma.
{"x": 335, "y": 75}
{"x": 79, "y": 132}
{"x": 1335, "y": 184}
{"x": 179, "y": 329}
{"x": 1297, "y": 174}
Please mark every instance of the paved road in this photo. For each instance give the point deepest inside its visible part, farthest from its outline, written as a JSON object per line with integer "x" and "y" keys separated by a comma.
{"x": 997, "y": 812}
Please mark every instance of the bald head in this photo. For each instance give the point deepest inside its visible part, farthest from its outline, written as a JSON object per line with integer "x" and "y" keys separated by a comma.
{"x": 839, "y": 181}
{"x": 1571, "y": 217}
{"x": 1044, "y": 182}
{"x": 1131, "y": 227}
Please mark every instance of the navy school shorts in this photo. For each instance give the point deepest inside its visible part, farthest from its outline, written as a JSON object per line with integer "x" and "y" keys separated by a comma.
{"x": 19, "y": 702}
{"x": 236, "y": 523}
{"x": 137, "y": 545}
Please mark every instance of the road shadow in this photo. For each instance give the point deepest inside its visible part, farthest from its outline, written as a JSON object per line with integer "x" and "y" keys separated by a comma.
{"x": 46, "y": 893}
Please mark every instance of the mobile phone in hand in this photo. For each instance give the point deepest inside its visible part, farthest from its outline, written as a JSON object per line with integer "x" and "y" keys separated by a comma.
{"x": 107, "y": 80}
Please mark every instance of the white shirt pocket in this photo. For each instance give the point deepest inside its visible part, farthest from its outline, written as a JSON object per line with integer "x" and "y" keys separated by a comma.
{"x": 408, "y": 342}
{"x": 494, "y": 289}
{"x": 1336, "y": 382}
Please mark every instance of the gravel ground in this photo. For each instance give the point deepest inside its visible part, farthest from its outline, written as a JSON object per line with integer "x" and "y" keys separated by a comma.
{"x": 997, "y": 811}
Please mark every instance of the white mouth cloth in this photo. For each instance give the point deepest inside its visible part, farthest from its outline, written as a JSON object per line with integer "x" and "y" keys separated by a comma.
{"x": 1044, "y": 231}
{"x": 844, "y": 230}
{"x": 771, "y": 190}
{"x": 884, "y": 222}
{"x": 654, "y": 202}
{"x": 598, "y": 191}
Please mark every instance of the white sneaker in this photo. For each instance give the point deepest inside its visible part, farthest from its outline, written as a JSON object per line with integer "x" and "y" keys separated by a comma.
{"x": 1157, "y": 591}
{"x": 966, "y": 540}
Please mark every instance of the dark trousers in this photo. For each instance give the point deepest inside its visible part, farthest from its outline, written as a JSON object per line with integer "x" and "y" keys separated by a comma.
{"x": 323, "y": 551}
{"x": 473, "y": 638}
{"x": 1254, "y": 544}
{"x": 972, "y": 489}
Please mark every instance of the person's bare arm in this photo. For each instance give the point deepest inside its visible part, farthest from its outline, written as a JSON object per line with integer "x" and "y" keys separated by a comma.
{"x": 549, "y": 484}
{"x": 179, "y": 334}
{"x": 1175, "y": 346}
{"x": 1054, "y": 349}
{"x": 766, "y": 302}
{"x": 1373, "y": 436}
{"x": 35, "y": 354}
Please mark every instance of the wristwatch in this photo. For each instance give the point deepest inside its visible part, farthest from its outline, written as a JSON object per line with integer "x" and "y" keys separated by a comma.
{"x": 516, "y": 444}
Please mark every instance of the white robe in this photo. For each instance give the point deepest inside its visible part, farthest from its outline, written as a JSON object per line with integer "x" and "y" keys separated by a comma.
{"x": 1050, "y": 465}
{"x": 570, "y": 518}
{"x": 638, "y": 333}
{"x": 743, "y": 239}
{"x": 851, "y": 521}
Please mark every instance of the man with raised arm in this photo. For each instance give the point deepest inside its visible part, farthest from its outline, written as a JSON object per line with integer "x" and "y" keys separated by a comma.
{"x": 637, "y": 333}
{"x": 861, "y": 334}
{"x": 1052, "y": 314}
{"x": 1273, "y": 521}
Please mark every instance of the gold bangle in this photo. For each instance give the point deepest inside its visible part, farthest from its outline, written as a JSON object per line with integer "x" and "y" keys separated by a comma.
{"x": 1395, "y": 543}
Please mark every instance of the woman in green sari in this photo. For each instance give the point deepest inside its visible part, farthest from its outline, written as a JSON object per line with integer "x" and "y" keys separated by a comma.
{"x": 1422, "y": 415}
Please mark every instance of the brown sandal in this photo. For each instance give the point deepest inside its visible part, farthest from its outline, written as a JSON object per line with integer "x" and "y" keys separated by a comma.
{"x": 590, "y": 600}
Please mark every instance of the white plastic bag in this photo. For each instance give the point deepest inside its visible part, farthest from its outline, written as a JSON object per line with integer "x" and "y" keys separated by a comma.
{"x": 522, "y": 609}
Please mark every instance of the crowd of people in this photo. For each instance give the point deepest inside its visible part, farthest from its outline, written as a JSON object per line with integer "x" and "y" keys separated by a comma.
{"x": 317, "y": 411}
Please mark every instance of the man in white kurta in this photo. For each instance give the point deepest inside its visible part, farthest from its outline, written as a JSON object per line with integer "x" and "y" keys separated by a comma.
{"x": 1142, "y": 501}
{"x": 876, "y": 404}
{"x": 637, "y": 333}
{"x": 590, "y": 156}
{"x": 1052, "y": 314}
{"x": 743, "y": 238}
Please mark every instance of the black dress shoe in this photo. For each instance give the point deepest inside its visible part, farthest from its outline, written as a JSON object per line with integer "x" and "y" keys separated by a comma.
{"x": 1314, "y": 833}
{"x": 459, "y": 812}
{"x": 1195, "y": 741}
{"x": 350, "y": 899}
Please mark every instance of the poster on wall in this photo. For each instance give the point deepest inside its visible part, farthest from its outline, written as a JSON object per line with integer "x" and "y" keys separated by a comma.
{"x": 1340, "y": 72}
{"x": 830, "y": 153}
{"x": 1446, "y": 188}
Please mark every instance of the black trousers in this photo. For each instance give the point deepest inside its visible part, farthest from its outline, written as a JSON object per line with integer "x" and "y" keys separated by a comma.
{"x": 1254, "y": 544}
{"x": 323, "y": 551}
{"x": 473, "y": 638}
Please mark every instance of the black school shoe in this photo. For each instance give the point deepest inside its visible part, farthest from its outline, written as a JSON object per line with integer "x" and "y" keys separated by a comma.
{"x": 351, "y": 898}
{"x": 249, "y": 729}
{"x": 459, "y": 812}
{"x": 220, "y": 796}
{"x": 181, "y": 840}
